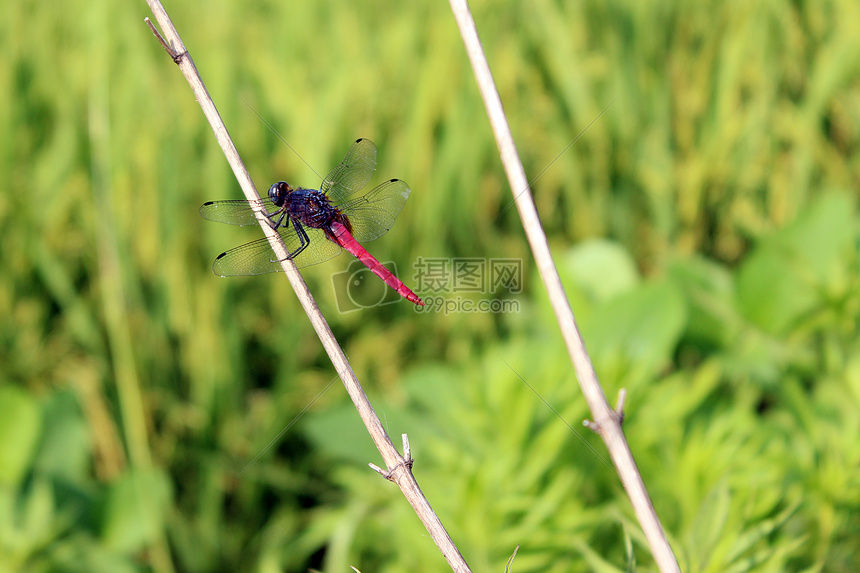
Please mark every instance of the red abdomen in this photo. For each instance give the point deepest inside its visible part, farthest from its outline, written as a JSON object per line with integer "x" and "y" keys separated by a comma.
{"x": 344, "y": 238}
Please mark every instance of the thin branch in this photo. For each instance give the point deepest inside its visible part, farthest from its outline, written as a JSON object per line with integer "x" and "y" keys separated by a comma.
{"x": 393, "y": 460}
{"x": 606, "y": 420}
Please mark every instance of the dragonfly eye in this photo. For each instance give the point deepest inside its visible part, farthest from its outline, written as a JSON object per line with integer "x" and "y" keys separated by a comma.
{"x": 278, "y": 193}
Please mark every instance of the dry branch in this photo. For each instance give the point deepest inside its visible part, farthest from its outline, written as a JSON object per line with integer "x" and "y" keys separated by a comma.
{"x": 607, "y": 422}
{"x": 399, "y": 469}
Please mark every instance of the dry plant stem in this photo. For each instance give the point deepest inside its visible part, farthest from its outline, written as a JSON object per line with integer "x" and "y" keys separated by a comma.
{"x": 606, "y": 420}
{"x": 399, "y": 470}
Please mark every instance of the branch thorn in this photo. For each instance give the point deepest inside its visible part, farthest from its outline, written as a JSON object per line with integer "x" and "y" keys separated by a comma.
{"x": 177, "y": 57}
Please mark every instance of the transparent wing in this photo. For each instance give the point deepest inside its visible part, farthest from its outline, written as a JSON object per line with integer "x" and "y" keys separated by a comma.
{"x": 235, "y": 212}
{"x": 353, "y": 173}
{"x": 373, "y": 214}
{"x": 258, "y": 258}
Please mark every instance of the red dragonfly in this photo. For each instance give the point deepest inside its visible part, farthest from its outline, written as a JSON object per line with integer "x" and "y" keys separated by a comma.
{"x": 317, "y": 225}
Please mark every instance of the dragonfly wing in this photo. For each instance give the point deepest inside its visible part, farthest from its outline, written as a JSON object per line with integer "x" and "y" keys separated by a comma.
{"x": 353, "y": 173}
{"x": 258, "y": 258}
{"x": 237, "y": 212}
{"x": 373, "y": 214}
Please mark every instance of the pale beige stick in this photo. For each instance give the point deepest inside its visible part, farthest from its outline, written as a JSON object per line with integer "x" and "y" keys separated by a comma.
{"x": 607, "y": 422}
{"x": 399, "y": 469}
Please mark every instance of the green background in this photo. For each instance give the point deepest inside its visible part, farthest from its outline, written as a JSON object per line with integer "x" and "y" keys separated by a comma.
{"x": 705, "y": 226}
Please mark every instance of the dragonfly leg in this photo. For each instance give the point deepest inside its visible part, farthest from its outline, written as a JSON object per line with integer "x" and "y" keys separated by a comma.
{"x": 275, "y": 224}
{"x": 304, "y": 241}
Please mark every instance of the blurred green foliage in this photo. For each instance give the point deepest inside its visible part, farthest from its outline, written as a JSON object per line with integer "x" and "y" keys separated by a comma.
{"x": 706, "y": 227}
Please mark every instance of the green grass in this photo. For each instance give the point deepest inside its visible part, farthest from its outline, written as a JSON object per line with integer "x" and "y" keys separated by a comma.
{"x": 706, "y": 226}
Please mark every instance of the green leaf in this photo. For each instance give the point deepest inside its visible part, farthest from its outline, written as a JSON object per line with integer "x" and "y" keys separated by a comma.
{"x": 339, "y": 433}
{"x": 20, "y": 424}
{"x": 818, "y": 241}
{"x": 65, "y": 450}
{"x": 135, "y": 509}
{"x": 602, "y": 269}
{"x": 771, "y": 294}
{"x": 636, "y": 333}
{"x": 710, "y": 291}
{"x": 792, "y": 272}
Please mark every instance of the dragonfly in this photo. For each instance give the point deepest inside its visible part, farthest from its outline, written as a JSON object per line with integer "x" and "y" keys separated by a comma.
{"x": 316, "y": 225}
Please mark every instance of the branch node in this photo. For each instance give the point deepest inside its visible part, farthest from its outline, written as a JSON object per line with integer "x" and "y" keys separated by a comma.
{"x": 617, "y": 414}
{"x": 405, "y": 462}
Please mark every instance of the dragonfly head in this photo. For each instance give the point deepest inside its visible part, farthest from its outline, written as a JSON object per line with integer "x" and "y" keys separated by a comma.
{"x": 278, "y": 193}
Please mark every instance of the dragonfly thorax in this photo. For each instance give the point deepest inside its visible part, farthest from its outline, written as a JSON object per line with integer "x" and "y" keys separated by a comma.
{"x": 311, "y": 208}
